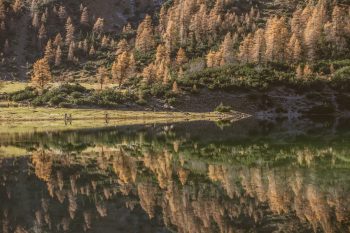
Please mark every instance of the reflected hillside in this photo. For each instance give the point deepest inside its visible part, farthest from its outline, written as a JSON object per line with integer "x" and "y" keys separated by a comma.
{"x": 193, "y": 177}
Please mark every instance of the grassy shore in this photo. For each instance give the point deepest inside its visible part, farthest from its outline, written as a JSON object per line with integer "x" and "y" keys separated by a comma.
{"x": 58, "y": 114}
{"x": 14, "y": 86}
{"x": 25, "y": 119}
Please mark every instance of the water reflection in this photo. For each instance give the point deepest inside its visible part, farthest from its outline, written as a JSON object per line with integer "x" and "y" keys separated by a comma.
{"x": 195, "y": 177}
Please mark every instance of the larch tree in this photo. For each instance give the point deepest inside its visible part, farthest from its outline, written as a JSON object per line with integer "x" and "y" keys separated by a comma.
{"x": 245, "y": 49}
{"x": 123, "y": 46}
{"x": 227, "y": 49}
{"x": 181, "y": 57}
{"x": 313, "y": 30}
{"x": 41, "y": 74}
{"x": 42, "y": 34}
{"x": 336, "y": 32}
{"x": 84, "y": 18}
{"x": 145, "y": 36}
{"x": 17, "y": 6}
{"x": 210, "y": 59}
{"x": 307, "y": 71}
{"x": 259, "y": 46}
{"x": 49, "y": 52}
{"x": 2, "y": 10}
{"x": 120, "y": 68}
{"x": 105, "y": 42}
{"x": 62, "y": 13}
{"x": 58, "y": 40}
{"x": 294, "y": 49}
{"x": 175, "y": 88}
{"x": 98, "y": 26}
{"x": 71, "y": 49}
{"x": 276, "y": 37}
{"x": 35, "y": 21}
{"x": 70, "y": 30}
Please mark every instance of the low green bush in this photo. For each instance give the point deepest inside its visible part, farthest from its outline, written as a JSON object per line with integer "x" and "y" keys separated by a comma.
{"x": 27, "y": 94}
{"x": 223, "y": 109}
{"x": 341, "y": 78}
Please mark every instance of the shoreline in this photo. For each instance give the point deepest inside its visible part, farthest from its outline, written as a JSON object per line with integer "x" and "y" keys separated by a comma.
{"x": 30, "y": 114}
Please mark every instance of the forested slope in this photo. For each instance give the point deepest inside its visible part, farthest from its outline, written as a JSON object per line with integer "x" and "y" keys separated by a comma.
{"x": 161, "y": 49}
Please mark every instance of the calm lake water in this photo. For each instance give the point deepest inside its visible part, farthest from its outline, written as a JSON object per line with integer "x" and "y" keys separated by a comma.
{"x": 246, "y": 176}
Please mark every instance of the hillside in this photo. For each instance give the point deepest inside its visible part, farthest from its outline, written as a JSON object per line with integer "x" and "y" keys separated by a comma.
{"x": 162, "y": 51}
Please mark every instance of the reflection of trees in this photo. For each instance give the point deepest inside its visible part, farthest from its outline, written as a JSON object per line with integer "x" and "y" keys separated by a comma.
{"x": 188, "y": 185}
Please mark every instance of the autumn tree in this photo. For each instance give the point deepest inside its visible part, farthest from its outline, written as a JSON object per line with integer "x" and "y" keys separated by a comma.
{"x": 123, "y": 67}
{"x": 123, "y": 46}
{"x": 71, "y": 50}
{"x": 227, "y": 49}
{"x": 299, "y": 72}
{"x": 313, "y": 30}
{"x": 259, "y": 46}
{"x": 62, "y": 13}
{"x": 245, "y": 49}
{"x": 276, "y": 37}
{"x": 175, "y": 88}
{"x": 42, "y": 34}
{"x": 49, "y": 52}
{"x": 294, "y": 49}
{"x": 35, "y": 21}
{"x": 41, "y": 74}
{"x": 58, "y": 40}
{"x": 98, "y": 26}
{"x": 17, "y": 6}
{"x": 2, "y": 10}
{"x": 145, "y": 37}
{"x": 69, "y": 31}
{"x": 181, "y": 57}
{"x": 84, "y": 18}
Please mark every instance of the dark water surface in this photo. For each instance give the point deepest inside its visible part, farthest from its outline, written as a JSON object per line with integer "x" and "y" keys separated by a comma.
{"x": 246, "y": 176}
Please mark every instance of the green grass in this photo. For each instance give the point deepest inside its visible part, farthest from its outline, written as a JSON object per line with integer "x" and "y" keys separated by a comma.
{"x": 38, "y": 114}
{"x": 11, "y": 87}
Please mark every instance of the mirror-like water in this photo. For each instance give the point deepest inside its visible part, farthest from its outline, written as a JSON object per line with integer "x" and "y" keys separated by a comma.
{"x": 248, "y": 176}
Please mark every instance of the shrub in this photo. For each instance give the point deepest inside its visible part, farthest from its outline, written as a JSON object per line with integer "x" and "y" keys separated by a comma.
{"x": 57, "y": 99}
{"x": 341, "y": 78}
{"x": 28, "y": 93}
{"x": 223, "y": 109}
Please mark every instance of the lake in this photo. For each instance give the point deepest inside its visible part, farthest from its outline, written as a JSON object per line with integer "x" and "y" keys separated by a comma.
{"x": 245, "y": 176}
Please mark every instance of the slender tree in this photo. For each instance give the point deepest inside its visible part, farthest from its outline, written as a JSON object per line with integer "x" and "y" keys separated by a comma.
{"x": 41, "y": 74}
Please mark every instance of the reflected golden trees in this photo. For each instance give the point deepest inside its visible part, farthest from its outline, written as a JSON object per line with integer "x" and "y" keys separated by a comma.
{"x": 167, "y": 183}
{"x": 42, "y": 161}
